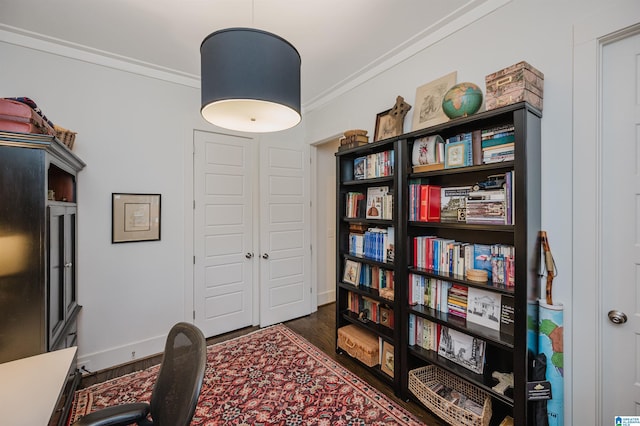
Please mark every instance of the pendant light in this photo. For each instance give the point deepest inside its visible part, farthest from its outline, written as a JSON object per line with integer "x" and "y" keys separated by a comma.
{"x": 250, "y": 81}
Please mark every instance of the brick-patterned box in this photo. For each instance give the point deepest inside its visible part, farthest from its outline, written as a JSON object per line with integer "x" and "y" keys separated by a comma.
{"x": 360, "y": 344}
{"x": 517, "y": 83}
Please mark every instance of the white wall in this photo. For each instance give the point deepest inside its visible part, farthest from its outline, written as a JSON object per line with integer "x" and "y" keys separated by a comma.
{"x": 135, "y": 134}
{"x": 539, "y": 32}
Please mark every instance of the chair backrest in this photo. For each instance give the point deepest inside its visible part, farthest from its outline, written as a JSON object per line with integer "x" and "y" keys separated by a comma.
{"x": 177, "y": 389}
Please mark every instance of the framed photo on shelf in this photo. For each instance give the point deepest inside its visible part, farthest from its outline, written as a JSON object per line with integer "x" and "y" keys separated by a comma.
{"x": 428, "y": 105}
{"x": 135, "y": 217}
{"x": 385, "y": 126}
{"x": 455, "y": 155}
{"x": 387, "y": 358}
{"x": 462, "y": 349}
{"x": 351, "y": 272}
{"x": 386, "y": 317}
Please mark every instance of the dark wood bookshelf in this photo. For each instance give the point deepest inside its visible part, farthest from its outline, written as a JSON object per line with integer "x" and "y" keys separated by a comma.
{"x": 503, "y": 352}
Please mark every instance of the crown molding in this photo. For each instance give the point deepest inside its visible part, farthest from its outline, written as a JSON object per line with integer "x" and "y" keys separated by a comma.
{"x": 54, "y": 46}
{"x": 448, "y": 25}
{"x": 455, "y": 21}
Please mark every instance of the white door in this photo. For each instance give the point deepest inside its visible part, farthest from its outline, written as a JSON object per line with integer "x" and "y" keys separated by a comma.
{"x": 285, "y": 248}
{"x": 223, "y": 232}
{"x": 621, "y": 228}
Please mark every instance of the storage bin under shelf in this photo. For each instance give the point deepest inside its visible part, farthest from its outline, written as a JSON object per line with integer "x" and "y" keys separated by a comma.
{"x": 420, "y": 380}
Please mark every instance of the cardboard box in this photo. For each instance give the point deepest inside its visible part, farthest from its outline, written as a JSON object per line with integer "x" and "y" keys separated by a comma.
{"x": 517, "y": 83}
{"x": 360, "y": 344}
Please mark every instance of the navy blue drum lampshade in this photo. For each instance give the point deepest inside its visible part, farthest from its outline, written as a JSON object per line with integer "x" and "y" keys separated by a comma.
{"x": 250, "y": 81}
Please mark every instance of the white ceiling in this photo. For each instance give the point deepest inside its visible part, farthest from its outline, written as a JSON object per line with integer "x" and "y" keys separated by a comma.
{"x": 338, "y": 40}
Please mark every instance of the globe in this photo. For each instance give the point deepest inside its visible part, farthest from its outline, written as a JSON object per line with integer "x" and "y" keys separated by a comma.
{"x": 461, "y": 100}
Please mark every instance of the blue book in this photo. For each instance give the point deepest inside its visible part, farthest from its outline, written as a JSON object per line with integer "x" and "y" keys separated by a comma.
{"x": 482, "y": 258}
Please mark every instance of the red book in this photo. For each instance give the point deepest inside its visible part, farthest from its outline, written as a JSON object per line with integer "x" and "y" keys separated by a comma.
{"x": 429, "y": 203}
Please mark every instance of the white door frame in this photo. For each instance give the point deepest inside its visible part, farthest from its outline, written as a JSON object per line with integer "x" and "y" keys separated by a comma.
{"x": 590, "y": 35}
{"x": 316, "y": 211}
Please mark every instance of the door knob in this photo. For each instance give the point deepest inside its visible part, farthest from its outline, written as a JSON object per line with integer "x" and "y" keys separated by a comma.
{"x": 617, "y": 317}
{"x": 248, "y": 255}
{"x": 68, "y": 265}
{"x": 265, "y": 256}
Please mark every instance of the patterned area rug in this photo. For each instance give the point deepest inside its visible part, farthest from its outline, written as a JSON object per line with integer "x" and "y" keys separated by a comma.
{"x": 270, "y": 377}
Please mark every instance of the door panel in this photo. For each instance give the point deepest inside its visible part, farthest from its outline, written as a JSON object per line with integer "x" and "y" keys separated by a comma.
{"x": 285, "y": 264}
{"x": 223, "y": 233}
{"x": 621, "y": 227}
{"x": 56, "y": 284}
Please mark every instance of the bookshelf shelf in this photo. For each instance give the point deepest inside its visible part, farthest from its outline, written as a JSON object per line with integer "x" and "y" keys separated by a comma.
{"x": 453, "y": 278}
{"x": 457, "y": 323}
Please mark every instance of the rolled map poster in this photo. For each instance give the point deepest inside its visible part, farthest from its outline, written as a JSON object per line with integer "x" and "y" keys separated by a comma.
{"x": 550, "y": 342}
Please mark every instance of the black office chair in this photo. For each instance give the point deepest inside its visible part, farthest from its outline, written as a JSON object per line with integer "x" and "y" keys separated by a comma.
{"x": 176, "y": 391}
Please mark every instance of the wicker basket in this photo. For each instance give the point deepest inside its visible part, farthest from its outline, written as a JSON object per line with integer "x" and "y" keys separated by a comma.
{"x": 65, "y": 136}
{"x": 422, "y": 378}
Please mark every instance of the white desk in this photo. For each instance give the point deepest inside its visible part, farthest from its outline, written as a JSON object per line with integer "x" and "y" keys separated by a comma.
{"x": 31, "y": 387}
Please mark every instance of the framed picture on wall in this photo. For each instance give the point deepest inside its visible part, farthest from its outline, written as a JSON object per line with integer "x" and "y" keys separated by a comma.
{"x": 135, "y": 217}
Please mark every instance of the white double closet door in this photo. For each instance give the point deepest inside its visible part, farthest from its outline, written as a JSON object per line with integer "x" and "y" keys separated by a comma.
{"x": 251, "y": 232}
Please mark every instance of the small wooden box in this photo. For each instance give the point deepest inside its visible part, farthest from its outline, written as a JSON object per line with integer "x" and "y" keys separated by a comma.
{"x": 517, "y": 83}
{"x": 360, "y": 344}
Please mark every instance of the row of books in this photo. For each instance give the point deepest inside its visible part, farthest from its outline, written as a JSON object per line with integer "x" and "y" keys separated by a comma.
{"x": 374, "y": 165}
{"x": 476, "y": 305}
{"x": 378, "y": 203}
{"x": 375, "y": 243}
{"x": 423, "y": 333}
{"x": 461, "y": 348}
{"x": 464, "y": 204}
{"x": 424, "y": 202}
{"x": 484, "y": 146}
{"x": 368, "y": 276}
{"x": 369, "y": 309}
{"x": 355, "y": 203}
{"x": 448, "y": 256}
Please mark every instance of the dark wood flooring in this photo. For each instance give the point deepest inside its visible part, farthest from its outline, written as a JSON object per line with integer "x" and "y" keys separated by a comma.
{"x": 319, "y": 329}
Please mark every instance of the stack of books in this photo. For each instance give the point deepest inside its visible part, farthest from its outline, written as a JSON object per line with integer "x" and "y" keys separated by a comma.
{"x": 457, "y": 300}
{"x": 487, "y": 207}
{"x": 498, "y": 144}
